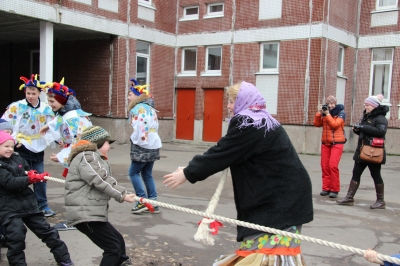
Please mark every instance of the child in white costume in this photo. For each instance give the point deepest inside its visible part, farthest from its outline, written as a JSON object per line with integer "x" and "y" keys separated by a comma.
{"x": 27, "y": 116}
{"x": 70, "y": 120}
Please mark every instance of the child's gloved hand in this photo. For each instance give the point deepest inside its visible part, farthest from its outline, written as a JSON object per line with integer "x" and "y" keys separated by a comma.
{"x": 35, "y": 177}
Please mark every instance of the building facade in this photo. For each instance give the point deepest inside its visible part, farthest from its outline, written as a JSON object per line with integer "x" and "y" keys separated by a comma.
{"x": 189, "y": 51}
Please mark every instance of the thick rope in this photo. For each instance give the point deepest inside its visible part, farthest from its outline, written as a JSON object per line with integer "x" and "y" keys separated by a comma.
{"x": 203, "y": 232}
{"x": 256, "y": 227}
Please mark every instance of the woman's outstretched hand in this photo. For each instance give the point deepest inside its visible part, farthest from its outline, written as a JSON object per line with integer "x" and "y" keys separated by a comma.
{"x": 174, "y": 179}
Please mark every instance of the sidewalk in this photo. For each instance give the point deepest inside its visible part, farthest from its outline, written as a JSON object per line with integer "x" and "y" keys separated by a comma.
{"x": 167, "y": 238}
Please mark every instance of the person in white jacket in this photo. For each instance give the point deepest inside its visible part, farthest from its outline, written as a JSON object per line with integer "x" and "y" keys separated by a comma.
{"x": 145, "y": 144}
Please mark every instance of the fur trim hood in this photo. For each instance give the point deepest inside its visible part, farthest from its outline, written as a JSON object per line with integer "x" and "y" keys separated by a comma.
{"x": 143, "y": 98}
{"x": 380, "y": 110}
{"x": 79, "y": 147}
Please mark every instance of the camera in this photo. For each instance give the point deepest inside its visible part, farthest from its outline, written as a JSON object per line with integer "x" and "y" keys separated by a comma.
{"x": 324, "y": 107}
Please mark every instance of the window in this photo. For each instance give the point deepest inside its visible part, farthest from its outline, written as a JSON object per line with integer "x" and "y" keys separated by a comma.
{"x": 340, "y": 61}
{"x": 142, "y": 62}
{"x": 189, "y": 60}
{"x": 190, "y": 13}
{"x": 269, "y": 57}
{"x": 270, "y": 9}
{"x": 146, "y": 2}
{"x": 213, "y": 59}
{"x": 386, "y": 4}
{"x": 381, "y": 72}
{"x": 215, "y": 10}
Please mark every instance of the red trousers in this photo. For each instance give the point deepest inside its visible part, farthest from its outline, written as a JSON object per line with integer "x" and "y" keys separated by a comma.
{"x": 330, "y": 158}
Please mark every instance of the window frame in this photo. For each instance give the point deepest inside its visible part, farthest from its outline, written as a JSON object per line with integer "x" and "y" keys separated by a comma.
{"x": 147, "y": 56}
{"x": 190, "y": 17}
{"x": 381, "y": 62}
{"x": 214, "y": 14}
{"x": 216, "y": 72}
{"x": 188, "y": 72}
{"x": 340, "y": 72}
{"x": 145, "y": 2}
{"x": 269, "y": 70}
{"x": 386, "y": 7}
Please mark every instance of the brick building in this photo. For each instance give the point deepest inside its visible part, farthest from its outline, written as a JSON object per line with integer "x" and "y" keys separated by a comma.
{"x": 295, "y": 52}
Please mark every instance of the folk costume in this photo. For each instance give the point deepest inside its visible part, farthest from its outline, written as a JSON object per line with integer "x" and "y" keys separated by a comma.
{"x": 19, "y": 209}
{"x": 271, "y": 186}
{"x": 70, "y": 120}
{"x": 332, "y": 146}
{"x": 145, "y": 144}
{"x": 26, "y": 121}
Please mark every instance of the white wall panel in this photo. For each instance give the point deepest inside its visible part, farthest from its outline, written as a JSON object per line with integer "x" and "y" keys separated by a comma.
{"x": 268, "y": 87}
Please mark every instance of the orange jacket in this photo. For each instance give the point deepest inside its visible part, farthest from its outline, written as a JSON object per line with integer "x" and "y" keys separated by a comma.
{"x": 332, "y": 128}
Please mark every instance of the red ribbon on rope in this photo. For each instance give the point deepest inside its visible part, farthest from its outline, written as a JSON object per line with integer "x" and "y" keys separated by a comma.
{"x": 148, "y": 205}
{"x": 214, "y": 225}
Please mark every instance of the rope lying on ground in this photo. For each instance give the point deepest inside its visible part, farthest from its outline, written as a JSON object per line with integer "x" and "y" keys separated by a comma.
{"x": 255, "y": 226}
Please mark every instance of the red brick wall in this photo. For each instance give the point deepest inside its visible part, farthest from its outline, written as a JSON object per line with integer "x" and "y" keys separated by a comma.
{"x": 365, "y": 20}
{"x": 343, "y": 14}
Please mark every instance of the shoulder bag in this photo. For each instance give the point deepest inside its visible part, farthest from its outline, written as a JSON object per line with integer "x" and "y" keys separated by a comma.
{"x": 371, "y": 154}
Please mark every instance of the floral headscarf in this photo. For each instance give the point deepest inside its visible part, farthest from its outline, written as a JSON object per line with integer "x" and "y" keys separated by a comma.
{"x": 250, "y": 107}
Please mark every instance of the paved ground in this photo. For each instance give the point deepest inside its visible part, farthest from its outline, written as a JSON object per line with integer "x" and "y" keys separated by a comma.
{"x": 167, "y": 238}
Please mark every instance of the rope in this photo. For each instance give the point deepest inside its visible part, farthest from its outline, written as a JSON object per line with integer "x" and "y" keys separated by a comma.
{"x": 256, "y": 227}
{"x": 203, "y": 232}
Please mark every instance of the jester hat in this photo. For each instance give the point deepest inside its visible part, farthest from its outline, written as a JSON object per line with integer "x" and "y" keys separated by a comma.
{"x": 33, "y": 82}
{"x": 138, "y": 89}
{"x": 59, "y": 91}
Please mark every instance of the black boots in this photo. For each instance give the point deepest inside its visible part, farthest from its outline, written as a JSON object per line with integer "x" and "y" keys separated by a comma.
{"x": 349, "y": 199}
{"x": 380, "y": 203}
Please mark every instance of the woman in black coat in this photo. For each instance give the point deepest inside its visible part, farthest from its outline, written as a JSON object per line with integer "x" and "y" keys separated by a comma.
{"x": 373, "y": 124}
{"x": 271, "y": 186}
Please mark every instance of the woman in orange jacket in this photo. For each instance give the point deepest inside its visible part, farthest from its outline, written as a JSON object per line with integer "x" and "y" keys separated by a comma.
{"x": 331, "y": 117}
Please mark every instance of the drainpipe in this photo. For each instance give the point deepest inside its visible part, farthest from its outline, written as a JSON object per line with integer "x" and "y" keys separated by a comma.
{"x": 232, "y": 42}
{"x": 175, "y": 66}
{"x": 354, "y": 85}
{"x": 127, "y": 46}
{"x": 307, "y": 75}
{"x": 326, "y": 49}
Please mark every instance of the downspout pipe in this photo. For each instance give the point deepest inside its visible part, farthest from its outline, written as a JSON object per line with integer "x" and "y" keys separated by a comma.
{"x": 354, "y": 85}
{"x": 307, "y": 74}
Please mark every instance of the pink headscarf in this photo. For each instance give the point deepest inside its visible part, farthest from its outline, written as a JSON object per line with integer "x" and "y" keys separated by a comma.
{"x": 250, "y": 107}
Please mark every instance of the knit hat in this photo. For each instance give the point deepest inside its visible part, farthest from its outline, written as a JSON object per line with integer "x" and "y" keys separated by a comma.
{"x": 374, "y": 100}
{"x": 138, "y": 89}
{"x": 33, "y": 82}
{"x": 96, "y": 135}
{"x": 331, "y": 99}
{"x": 59, "y": 91}
{"x": 4, "y": 136}
{"x": 4, "y": 125}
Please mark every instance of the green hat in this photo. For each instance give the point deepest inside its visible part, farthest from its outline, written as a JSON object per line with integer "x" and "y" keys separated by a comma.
{"x": 96, "y": 135}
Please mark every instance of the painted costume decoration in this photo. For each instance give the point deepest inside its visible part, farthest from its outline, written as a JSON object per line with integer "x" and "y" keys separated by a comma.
{"x": 70, "y": 120}
{"x": 27, "y": 120}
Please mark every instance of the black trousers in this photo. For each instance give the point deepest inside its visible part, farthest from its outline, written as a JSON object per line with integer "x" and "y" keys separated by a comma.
{"x": 16, "y": 233}
{"x": 374, "y": 169}
{"x": 106, "y": 237}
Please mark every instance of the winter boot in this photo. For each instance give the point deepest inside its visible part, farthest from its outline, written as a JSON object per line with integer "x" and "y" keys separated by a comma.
{"x": 380, "y": 203}
{"x": 349, "y": 199}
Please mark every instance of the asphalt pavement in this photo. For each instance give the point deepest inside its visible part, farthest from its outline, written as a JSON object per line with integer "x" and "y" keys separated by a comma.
{"x": 166, "y": 238}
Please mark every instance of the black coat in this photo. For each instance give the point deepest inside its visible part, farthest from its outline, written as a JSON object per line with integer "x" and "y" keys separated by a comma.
{"x": 16, "y": 197}
{"x": 373, "y": 124}
{"x": 271, "y": 186}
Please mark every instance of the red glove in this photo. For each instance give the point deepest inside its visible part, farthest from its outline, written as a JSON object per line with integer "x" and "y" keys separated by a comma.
{"x": 35, "y": 177}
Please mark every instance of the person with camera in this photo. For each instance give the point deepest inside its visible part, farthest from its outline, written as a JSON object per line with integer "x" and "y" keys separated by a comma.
{"x": 373, "y": 124}
{"x": 331, "y": 117}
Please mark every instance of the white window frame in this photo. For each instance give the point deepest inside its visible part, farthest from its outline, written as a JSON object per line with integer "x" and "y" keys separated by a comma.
{"x": 340, "y": 71}
{"x": 268, "y": 70}
{"x": 145, "y": 2}
{"x": 147, "y": 56}
{"x": 395, "y": 6}
{"x": 190, "y": 17}
{"x": 214, "y": 14}
{"x": 212, "y": 72}
{"x": 382, "y": 62}
{"x": 188, "y": 72}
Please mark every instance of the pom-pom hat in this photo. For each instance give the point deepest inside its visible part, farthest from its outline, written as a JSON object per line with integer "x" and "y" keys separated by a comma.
{"x": 4, "y": 136}
{"x": 5, "y": 125}
{"x": 59, "y": 91}
{"x": 33, "y": 82}
{"x": 138, "y": 89}
{"x": 96, "y": 135}
{"x": 374, "y": 100}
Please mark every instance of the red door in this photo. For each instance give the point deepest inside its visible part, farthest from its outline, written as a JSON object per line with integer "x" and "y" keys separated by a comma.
{"x": 212, "y": 121}
{"x": 185, "y": 114}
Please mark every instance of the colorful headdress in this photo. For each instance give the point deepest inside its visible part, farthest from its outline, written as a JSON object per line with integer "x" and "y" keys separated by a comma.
{"x": 59, "y": 91}
{"x": 138, "y": 89}
{"x": 33, "y": 82}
